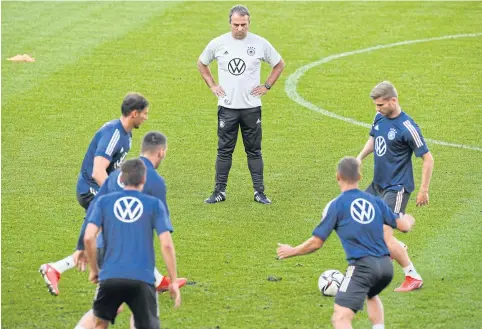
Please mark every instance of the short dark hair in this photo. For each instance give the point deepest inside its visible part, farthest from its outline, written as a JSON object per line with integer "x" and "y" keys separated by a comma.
{"x": 133, "y": 102}
{"x": 349, "y": 169}
{"x": 133, "y": 171}
{"x": 152, "y": 141}
{"x": 240, "y": 10}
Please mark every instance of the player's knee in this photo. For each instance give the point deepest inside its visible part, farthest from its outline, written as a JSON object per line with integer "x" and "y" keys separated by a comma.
{"x": 339, "y": 318}
{"x": 120, "y": 309}
{"x": 253, "y": 153}
{"x": 225, "y": 155}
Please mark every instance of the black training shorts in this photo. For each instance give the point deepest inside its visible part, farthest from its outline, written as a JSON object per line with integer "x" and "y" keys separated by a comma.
{"x": 138, "y": 295}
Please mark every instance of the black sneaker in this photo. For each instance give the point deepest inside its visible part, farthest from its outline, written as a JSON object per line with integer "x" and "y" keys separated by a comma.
{"x": 261, "y": 198}
{"x": 217, "y": 196}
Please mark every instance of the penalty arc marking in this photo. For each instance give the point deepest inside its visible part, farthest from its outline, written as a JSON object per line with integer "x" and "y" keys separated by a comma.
{"x": 292, "y": 81}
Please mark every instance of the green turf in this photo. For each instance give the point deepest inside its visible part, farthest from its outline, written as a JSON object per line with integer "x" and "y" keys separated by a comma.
{"x": 89, "y": 55}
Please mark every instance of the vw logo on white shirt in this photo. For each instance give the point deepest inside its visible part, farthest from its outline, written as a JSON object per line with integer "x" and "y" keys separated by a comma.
{"x": 128, "y": 209}
{"x": 380, "y": 146}
{"x": 362, "y": 211}
{"x": 236, "y": 66}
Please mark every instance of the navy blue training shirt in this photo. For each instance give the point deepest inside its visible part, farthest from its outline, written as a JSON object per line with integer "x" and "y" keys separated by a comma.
{"x": 112, "y": 142}
{"x": 128, "y": 220}
{"x": 155, "y": 186}
{"x": 358, "y": 218}
{"x": 395, "y": 141}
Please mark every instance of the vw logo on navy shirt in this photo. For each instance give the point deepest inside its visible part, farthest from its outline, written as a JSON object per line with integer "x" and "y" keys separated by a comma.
{"x": 380, "y": 146}
{"x": 128, "y": 209}
{"x": 362, "y": 211}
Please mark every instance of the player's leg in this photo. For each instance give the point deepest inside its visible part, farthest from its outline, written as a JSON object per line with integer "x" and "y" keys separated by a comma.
{"x": 352, "y": 293}
{"x": 342, "y": 317}
{"x": 397, "y": 201}
{"x": 163, "y": 282}
{"x": 87, "y": 321}
{"x": 228, "y": 126}
{"x": 382, "y": 278}
{"x": 101, "y": 323}
{"x": 51, "y": 272}
{"x": 108, "y": 299}
{"x": 252, "y": 136}
{"x": 144, "y": 306}
{"x": 375, "y": 312}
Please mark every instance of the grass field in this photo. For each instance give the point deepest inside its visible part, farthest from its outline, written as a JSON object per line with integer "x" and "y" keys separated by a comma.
{"x": 89, "y": 55}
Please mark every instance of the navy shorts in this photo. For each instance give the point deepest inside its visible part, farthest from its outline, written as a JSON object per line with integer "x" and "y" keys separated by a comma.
{"x": 396, "y": 200}
{"x": 366, "y": 277}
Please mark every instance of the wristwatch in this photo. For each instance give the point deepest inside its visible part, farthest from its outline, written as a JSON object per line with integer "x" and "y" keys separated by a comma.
{"x": 267, "y": 85}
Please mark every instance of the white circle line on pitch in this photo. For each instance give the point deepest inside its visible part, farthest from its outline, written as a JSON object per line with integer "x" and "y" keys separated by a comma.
{"x": 292, "y": 81}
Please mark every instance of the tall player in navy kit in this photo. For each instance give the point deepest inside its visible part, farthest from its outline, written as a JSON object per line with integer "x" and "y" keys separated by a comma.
{"x": 105, "y": 153}
{"x": 394, "y": 137}
{"x": 358, "y": 219}
{"x": 128, "y": 219}
{"x": 239, "y": 55}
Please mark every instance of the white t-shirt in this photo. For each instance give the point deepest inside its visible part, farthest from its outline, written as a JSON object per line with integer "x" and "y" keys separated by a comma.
{"x": 239, "y": 67}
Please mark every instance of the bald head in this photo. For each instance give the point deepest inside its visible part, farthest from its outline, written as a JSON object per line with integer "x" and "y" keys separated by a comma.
{"x": 348, "y": 170}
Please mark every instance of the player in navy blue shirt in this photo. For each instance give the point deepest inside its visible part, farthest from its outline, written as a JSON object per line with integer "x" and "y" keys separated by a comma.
{"x": 128, "y": 219}
{"x": 394, "y": 138}
{"x": 358, "y": 219}
{"x": 105, "y": 153}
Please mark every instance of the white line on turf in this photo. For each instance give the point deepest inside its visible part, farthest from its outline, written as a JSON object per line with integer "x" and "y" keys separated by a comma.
{"x": 292, "y": 81}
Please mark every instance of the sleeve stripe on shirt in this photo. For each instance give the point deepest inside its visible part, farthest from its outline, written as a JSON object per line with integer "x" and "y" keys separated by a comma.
{"x": 113, "y": 142}
{"x": 414, "y": 133}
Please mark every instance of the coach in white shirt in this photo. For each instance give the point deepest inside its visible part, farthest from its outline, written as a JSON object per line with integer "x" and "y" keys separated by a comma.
{"x": 239, "y": 55}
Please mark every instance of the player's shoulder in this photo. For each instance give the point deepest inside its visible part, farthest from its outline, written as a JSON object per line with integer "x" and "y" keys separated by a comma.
{"x": 146, "y": 198}
{"x": 106, "y": 198}
{"x": 331, "y": 206}
{"x": 256, "y": 39}
{"x": 378, "y": 117}
{"x": 109, "y": 126}
{"x": 404, "y": 117}
{"x": 407, "y": 123}
{"x": 220, "y": 40}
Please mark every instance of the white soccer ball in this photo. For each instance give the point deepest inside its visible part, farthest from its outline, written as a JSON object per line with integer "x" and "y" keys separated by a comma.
{"x": 329, "y": 282}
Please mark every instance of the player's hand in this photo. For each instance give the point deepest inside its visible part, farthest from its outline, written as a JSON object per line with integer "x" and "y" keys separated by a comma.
{"x": 259, "y": 91}
{"x": 218, "y": 91}
{"x": 80, "y": 260}
{"x": 175, "y": 294}
{"x": 93, "y": 276}
{"x": 285, "y": 251}
{"x": 422, "y": 198}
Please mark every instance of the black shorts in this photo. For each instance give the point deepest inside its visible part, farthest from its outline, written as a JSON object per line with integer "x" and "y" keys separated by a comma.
{"x": 366, "y": 277}
{"x": 86, "y": 198}
{"x": 138, "y": 295}
{"x": 396, "y": 200}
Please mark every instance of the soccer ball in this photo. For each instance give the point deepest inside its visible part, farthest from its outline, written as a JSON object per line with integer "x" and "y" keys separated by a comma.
{"x": 329, "y": 282}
